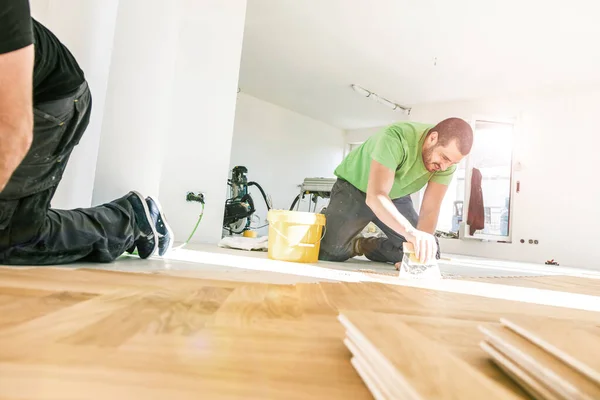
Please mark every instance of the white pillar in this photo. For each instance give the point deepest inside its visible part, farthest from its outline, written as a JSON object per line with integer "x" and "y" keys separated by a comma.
{"x": 137, "y": 118}
{"x": 199, "y": 137}
{"x": 87, "y": 29}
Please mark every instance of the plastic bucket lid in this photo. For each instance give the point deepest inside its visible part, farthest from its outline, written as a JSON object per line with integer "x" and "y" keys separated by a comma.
{"x": 296, "y": 217}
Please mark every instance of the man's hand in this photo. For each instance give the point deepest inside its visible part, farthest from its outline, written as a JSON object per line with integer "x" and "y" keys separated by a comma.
{"x": 381, "y": 180}
{"x": 16, "y": 110}
{"x": 425, "y": 245}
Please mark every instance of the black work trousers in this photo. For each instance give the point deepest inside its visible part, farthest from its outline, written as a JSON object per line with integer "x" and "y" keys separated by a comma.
{"x": 31, "y": 233}
{"x": 347, "y": 215}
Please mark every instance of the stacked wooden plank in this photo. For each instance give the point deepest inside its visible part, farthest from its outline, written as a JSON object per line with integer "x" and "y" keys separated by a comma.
{"x": 397, "y": 362}
{"x": 549, "y": 358}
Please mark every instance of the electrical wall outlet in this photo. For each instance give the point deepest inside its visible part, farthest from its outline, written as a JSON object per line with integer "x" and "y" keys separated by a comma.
{"x": 195, "y": 196}
{"x": 530, "y": 241}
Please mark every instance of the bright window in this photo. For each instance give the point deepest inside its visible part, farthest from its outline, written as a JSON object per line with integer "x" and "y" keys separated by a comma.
{"x": 352, "y": 146}
{"x": 492, "y": 157}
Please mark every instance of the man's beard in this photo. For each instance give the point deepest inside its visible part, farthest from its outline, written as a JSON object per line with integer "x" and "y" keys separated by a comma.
{"x": 427, "y": 155}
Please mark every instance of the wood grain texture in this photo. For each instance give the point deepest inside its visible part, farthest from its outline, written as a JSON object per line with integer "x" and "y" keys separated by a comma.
{"x": 369, "y": 377}
{"x": 575, "y": 346}
{"x": 93, "y": 334}
{"x": 551, "y": 371}
{"x": 534, "y": 387}
{"x": 419, "y": 366}
{"x": 560, "y": 283}
{"x": 377, "y": 381}
{"x": 21, "y": 305}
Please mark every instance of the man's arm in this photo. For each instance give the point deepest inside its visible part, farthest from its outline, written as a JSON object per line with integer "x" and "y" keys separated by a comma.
{"x": 430, "y": 208}
{"x": 381, "y": 180}
{"x": 16, "y": 116}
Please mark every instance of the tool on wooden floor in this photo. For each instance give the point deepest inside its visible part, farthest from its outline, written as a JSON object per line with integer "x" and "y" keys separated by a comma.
{"x": 315, "y": 188}
{"x": 239, "y": 208}
{"x": 412, "y": 268}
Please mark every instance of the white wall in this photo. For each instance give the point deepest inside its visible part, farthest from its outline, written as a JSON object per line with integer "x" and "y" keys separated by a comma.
{"x": 87, "y": 29}
{"x": 139, "y": 103}
{"x": 199, "y": 134}
{"x": 280, "y": 148}
{"x": 170, "y": 84}
{"x": 171, "y": 106}
{"x": 557, "y": 145}
{"x": 360, "y": 135}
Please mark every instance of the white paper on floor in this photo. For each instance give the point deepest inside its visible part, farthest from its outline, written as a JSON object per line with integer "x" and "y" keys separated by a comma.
{"x": 245, "y": 243}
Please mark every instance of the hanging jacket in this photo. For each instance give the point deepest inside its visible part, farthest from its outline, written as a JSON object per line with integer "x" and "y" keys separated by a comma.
{"x": 476, "y": 216}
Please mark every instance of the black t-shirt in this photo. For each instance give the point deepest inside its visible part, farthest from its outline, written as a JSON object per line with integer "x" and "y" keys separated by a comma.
{"x": 56, "y": 72}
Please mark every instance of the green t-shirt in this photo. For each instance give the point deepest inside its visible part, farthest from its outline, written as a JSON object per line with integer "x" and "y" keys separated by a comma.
{"x": 398, "y": 147}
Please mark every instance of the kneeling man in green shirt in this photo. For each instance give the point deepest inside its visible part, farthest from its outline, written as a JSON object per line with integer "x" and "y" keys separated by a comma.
{"x": 375, "y": 181}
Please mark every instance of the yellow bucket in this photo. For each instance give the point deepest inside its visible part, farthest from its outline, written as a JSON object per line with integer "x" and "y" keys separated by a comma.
{"x": 295, "y": 235}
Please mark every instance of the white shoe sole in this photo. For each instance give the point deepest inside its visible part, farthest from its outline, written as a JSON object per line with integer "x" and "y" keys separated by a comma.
{"x": 149, "y": 218}
{"x": 167, "y": 226}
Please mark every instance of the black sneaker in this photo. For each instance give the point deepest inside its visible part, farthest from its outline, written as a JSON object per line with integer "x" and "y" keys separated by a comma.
{"x": 165, "y": 234}
{"x": 147, "y": 242}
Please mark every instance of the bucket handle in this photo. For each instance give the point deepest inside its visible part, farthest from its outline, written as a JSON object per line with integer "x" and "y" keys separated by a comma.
{"x": 300, "y": 244}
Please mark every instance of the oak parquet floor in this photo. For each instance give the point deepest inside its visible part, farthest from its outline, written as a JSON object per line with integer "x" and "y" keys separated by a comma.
{"x": 561, "y": 283}
{"x": 92, "y": 334}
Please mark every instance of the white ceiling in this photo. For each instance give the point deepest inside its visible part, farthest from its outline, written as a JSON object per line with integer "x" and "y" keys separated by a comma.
{"x": 304, "y": 54}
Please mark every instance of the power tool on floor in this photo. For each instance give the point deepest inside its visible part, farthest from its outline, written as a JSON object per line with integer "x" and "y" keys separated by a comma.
{"x": 316, "y": 188}
{"x": 239, "y": 208}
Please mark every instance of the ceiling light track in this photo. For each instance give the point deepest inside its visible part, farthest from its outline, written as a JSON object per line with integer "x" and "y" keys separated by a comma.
{"x": 389, "y": 104}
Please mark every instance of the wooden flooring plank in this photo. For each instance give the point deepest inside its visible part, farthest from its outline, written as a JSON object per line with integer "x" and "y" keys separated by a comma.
{"x": 367, "y": 296}
{"x": 369, "y": 377}
{"x": 544, "y": 367}
{"x": 243, "y": 307}
{"x": 426, "y": 367}
{"x": 461, "y": 338}
{"x": 470, "y": 307}
{"x": 253, "y": 304}
{"x": 577, "y": 347}
{"x": 18, "y": 306}
{"x": 381, "y": 383}
{"x": 534, "y": 387}
{"x": 67, "y": 321}
{"x": 272, "y": 366}
{"x": 110, "y": 320}
{"x": 156, "y": 311}
{"x": 71, "y": 383}
{"x": 242, "y": 276}
{"x": 314, "y": 301}
{"x": 186, "y": 315}
{"x": 96, "y": 280}
{"x": 561, "y": 283}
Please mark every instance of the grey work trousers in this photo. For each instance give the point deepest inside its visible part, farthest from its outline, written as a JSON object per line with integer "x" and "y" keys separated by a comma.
{"x": 347, "y": 215}
{"x": 31, "y": 233}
